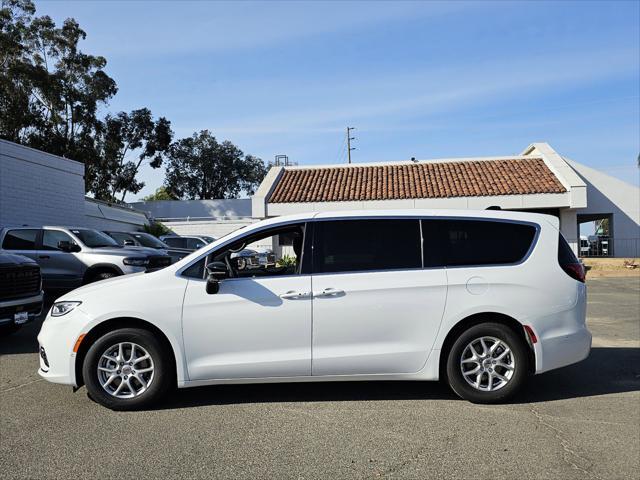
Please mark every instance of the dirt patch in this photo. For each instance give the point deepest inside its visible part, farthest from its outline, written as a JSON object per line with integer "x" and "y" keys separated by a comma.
{"x": 611, "y": 267}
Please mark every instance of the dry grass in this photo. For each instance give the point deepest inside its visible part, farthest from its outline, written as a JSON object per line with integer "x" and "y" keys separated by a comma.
{"x": 612, "y": 267}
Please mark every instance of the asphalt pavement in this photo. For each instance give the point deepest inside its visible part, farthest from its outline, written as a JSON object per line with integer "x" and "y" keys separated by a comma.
{"x": 580, "y": 422}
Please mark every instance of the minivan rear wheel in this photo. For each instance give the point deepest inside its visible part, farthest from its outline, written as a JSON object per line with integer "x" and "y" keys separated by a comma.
{"x": 127, "y": 369}
{"x": 488, "y": 363}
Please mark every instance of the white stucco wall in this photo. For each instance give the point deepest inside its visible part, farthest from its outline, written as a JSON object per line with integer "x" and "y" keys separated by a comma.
{"x": 609, "y": 195}
{"x": 102, "y": 216}
{"x": 214, "y": 228}
{"x": 37, "y": 188}
{"x": 178, "y": 209}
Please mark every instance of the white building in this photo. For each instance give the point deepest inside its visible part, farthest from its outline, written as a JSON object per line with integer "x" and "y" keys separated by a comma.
{"x": 200, "y": 217}
{"x": 37, "y": 189}
{"x": 537, "y": 180}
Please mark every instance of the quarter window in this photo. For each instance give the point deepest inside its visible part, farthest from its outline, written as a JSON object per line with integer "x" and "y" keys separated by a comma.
{"x": 20, "y": 240}
{"x": 361, "y": 245}
{"x": 475, "y": 242}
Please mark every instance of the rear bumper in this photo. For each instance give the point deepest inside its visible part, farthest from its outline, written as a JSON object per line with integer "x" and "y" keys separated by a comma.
{"x": 563, "y": 350}
{"x": 563, "y": 337}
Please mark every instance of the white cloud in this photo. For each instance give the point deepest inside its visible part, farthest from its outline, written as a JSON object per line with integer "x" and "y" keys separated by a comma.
{"x": 433, "y": 92}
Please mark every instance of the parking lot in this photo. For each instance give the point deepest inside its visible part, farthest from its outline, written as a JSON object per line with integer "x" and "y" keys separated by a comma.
{"x": 579, "y": 422}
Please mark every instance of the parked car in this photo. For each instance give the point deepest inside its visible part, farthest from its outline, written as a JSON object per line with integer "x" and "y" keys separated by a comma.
{"x": 189, "y": 242}
{"x": 244, "y": 259}
{"x": 251, "y": 259}
{"x": 70, "y": 257}
{"x": 20, "y": 291}
{"x": 585, "y": 246}
{"x": 152, "y": 245}
{"x": 480, "y": 300}
{"x": 148, "y": 240}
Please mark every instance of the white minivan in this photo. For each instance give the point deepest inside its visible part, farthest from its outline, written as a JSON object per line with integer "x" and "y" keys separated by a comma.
{"x": 480, "y": 300}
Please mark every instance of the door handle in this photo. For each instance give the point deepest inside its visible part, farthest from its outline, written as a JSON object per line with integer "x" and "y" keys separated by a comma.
{"x": 293, "y": 295}
{"x": 44, "y": 257}
{"x": 329, "y": 292}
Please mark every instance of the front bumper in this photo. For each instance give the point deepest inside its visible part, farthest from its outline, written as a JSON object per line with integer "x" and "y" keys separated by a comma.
{"x": 32, "y": 305}
{"x": 56, "y": 340}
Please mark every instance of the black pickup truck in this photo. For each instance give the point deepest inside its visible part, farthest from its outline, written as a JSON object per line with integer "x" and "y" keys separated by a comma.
{"x": 20, "y": 291}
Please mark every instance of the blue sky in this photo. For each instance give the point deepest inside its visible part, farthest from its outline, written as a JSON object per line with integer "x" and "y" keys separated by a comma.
{"x": 416, "y": 79}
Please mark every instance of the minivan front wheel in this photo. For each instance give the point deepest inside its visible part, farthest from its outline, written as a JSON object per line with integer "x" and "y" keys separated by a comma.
{"x": 488, "y": 363}
{"x": 127, "y": 369}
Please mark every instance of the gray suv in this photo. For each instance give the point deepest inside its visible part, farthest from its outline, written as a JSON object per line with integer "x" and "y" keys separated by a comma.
{"x": 70, "y": 257}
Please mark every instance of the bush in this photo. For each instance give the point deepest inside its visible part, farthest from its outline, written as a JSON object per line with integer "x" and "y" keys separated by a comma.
{"x": 287, "y": 261}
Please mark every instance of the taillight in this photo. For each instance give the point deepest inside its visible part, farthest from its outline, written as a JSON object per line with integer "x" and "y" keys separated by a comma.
{"x": 568, "y": 260}
{"x": 575, "y": 271}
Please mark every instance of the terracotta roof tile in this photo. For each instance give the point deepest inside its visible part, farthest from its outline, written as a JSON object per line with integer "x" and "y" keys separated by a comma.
{"x": 416, "y": 180}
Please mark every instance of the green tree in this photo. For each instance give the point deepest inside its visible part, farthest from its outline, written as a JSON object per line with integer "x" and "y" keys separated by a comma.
{"x": 125, "y": 141}
{"x": 50, "y": 91}
{"x": 199, "y": 167}
{"x": 156, "y": 228}
{"x": 161, "y": 193}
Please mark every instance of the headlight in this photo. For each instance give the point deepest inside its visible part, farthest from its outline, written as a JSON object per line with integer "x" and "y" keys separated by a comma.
{"x": 62, "y": 308}
{"x": 136, "y": 261}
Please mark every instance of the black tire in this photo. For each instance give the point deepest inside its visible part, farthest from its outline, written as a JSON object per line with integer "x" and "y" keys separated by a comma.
{"x": 519, "y": 350}
{"x": 101, "y": 276}
{"x": 163, "y": 370}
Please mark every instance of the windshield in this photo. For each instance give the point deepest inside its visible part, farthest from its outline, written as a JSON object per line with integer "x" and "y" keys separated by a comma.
{"x": 208, "y": 239}
{"x": 148, "y": 240}
{"x": 94, "y": 239}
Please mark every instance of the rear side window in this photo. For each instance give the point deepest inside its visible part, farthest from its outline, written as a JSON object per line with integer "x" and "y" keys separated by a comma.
{"x": 194, "y": 243}
{"x": 361, "y": 245}
{"x": 461, "y": 242}
{"x": 176, "y": 242}
{"x": 20, "y": 240}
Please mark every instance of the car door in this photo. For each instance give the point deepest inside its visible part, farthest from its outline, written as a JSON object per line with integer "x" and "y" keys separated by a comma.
{"x": 22, "y": 241}
{"x": 60, "y": 269}
{"x": 375, "y": 309}
{"x": 257, "y": 325}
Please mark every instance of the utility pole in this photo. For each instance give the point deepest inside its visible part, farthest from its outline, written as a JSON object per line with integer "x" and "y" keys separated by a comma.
{"x": 349, "y": 138}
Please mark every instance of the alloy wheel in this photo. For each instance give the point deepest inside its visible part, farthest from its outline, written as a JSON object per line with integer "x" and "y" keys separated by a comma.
{"x": 125, "y": 370}
{"x": 487, "y": 363}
